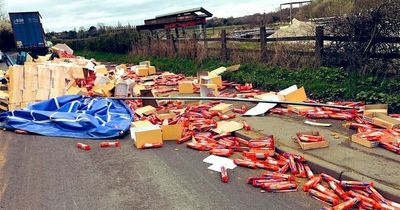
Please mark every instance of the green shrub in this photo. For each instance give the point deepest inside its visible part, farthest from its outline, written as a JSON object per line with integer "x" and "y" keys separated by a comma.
{"x": 114, "y": 43}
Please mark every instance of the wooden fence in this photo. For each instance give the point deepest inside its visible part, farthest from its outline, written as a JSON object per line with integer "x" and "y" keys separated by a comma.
{"x": 318, "y": 51}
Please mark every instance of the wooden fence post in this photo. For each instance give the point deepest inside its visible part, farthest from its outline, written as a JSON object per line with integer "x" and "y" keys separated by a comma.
{"x": 194, "y": 45}
{"x": 319, "y": 45}
{"x": 224, "y": 48}
{"x": 205, "y": 39}
{"x": 149, "y": 43}
{"x": 172, "y": 43}
{"x": 263, "y": 43}
{"x": 158, "y": 44}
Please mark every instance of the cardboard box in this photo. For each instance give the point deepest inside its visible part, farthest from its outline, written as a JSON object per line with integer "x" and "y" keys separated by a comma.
{"x": 228, "y": 126}
{"x": 147, "y": 110}
{"x": 222, "y": 108}
{"x": 141, "y": 71}
{"x": 292, "y": 93}
{"x": 171, "y": 132}
{"x": 299, "y": 109}
{"x": 382, "y": 120}
{"x": 298, "y": 95}
{"x": 375, "y": 108}
{"x": 146, "y": 135}
{"x": 74, "y": 90}
{"x": 152, "y": 70}
{"x": 208, "y": 89}
{"x": 28, "y": 96}
{"x": 362, "y": 141}
{"x": 186, "y": 87}
{"x": 101, "y": 69}
{"x": 44, "y": 77}
{"x": 201, "y": 74}
{"x": 213, "y": 79}
{"x": 15, "y": 96}
{"x": 137, "y": 89}
{"x": 145, "y": 63}
{"x": 141, "y": 123}
{"x": 30, "y": 77}
{"x": 42, "y": 94}
{"x": 261, "y": 96}
{"x": 218, "y": 71}
{"x": 77, "y": 72}
{"x": 121, "y": 89}
{"x": 15, "y": 74}
{"x": 165, "y": 116}
{"x": 312, "y": 145}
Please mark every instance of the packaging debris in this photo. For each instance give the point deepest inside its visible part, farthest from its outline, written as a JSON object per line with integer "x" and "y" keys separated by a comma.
{"x": 311, "y": 140}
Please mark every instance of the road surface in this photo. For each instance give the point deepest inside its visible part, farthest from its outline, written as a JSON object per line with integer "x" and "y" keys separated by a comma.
{"x": 50, "y": 173}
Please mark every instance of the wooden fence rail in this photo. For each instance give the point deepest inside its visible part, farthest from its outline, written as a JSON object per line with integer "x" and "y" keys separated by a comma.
{"x": 319, "y": 38}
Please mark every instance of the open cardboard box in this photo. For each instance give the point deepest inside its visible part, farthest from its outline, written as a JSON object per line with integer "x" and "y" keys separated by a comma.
{"x": 382, "y": 120}
{"x": 356, "y": 138}
{"x": 312, "y": 145}
{"x": 375, "y": 108}
{"x": 208, "y": 89}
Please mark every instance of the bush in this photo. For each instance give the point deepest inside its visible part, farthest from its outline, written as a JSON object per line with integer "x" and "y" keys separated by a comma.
{"x": 114, "y": 43}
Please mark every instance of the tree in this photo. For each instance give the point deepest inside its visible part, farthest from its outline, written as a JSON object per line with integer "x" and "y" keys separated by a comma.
{"x": 365, "y": 27}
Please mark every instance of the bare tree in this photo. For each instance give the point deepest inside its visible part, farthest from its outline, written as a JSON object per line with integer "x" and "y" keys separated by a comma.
{"x": 365, "y": 28}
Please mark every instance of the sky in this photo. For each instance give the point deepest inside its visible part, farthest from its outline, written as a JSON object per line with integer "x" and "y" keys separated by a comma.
{"x": 60, "y": 15}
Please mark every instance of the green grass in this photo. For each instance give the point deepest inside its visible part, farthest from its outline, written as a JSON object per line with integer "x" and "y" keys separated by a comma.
{"x": 326, "y": 84}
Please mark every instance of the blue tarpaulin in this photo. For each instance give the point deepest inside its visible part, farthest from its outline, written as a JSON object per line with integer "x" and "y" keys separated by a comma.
{"x": 72, "y": 116}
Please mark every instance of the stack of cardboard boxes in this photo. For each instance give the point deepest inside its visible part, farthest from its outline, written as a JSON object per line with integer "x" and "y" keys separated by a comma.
{"x": 37, "y": 81}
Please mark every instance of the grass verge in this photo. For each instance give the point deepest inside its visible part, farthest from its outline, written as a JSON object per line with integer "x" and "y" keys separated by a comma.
{"x": 326, "y": 84}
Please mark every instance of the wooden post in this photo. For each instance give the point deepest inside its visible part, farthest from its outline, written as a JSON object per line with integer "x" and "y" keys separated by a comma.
{"x": 173, "y": 44}
{"x": 263, "y": 43}
{"x": 205, "y": 39}
{"x": 158, "y": 44}
{"x": 149, "y": 43}
{"x": 194, "y": 45}
{"x": 177, "y": 32}
{"x": 319, "y": 45}
{"x": 224, "y": 48}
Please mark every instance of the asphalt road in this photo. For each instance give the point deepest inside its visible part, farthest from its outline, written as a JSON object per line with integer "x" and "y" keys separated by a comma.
{"x": 50, "y": 173}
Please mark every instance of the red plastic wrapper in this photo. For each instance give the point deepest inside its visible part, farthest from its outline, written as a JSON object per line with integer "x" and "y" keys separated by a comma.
{"x": 347, "y": 204}
{"x": 311, "y": 183}
{"x": 221, "y": 152}
{"x": 150, "y": 146}
{"x": 110, "y": 144}
{"x": 245, "y": 163}
{"x": 282, "y": 187}
{"x": 196, "y": 146}
{"x": 323, "y": 197}
{"x": 224, "y": 175}
{"x": 83, "y": 146}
